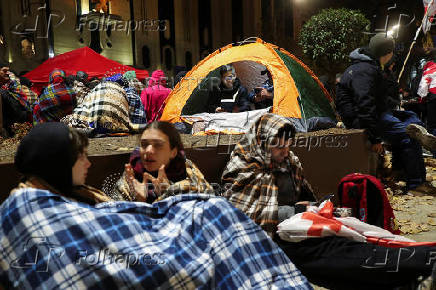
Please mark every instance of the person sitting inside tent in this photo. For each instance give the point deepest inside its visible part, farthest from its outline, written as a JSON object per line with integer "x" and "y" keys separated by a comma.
{"x": 59, "y": 233}
{"x": 154, "y": 96}
{"x": 265, "y": 180}
{"x": 56, "y": 101}
{"x": 229, "y": 96}
{"x": 15, "y": 107}
{"x": 262, "y": 97}
{"x": 160, "y": 160}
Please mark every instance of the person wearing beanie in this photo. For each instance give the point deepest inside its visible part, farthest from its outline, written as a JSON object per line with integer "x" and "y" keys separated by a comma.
{"x": 362, "y": 101}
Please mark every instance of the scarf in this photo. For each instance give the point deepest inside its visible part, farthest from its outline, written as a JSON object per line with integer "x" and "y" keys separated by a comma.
{"x": 249, "y": 174}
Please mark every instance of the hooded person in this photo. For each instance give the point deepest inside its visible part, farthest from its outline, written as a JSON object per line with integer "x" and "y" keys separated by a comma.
{"x": 93, "y": 243}
{"x": 154, "y": 96}
{"x": 56, "y": 101}
{"x": 264, "y": 179}
{"x": 362, "y": 101}
{"x": 258, "y": 165}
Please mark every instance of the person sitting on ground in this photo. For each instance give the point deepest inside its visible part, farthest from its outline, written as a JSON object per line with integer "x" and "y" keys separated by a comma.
{"x": 229, "y": 96}
{"x": 265, "y": 180}
{"x": 15, "y": 107}
{"x": 154, "y": 96}
{"x": 262, "y": 97}
{"x": 361, "y": 101}
{"x": 160, "y": 160}
{"x": 59, "y": 233}
{"x": 56, "y": 101}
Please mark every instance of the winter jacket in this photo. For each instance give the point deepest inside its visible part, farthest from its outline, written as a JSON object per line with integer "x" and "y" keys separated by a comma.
{"x": 154, "y": 96}
{"x": 268, "y": 85}
{"x": 361, "y": 94}
{"x": 220, "y": 92}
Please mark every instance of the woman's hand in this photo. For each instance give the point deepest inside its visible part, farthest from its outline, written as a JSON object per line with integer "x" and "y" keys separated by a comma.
{"x": 136, "y": 188}
{"x": 161, "y": 183}
{"x": 140, "y": 189}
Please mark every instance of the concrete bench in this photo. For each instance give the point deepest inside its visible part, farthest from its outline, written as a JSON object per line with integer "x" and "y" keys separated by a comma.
{"x": 326, "y": 158}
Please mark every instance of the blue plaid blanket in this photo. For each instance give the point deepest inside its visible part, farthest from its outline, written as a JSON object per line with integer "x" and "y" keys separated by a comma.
{"x": 186, "y": 241}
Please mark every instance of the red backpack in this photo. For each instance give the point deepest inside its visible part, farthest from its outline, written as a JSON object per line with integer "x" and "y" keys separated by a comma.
{"x": 366, "y": 196}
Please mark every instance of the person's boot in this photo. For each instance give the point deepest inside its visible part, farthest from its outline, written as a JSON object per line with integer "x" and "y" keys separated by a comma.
{"x": 427, "y": 140}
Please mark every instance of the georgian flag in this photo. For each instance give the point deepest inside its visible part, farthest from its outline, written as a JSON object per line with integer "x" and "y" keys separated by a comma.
{"x": 430, "y": 10}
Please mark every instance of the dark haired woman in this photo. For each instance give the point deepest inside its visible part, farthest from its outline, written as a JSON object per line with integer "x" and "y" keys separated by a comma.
{"x": 229, "y": 96}
{"x": 159, "y": 168}
{"x": 54, "y": 157}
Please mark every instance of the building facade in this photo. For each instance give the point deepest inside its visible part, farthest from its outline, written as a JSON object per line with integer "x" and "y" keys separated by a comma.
{"x": 148, "y": 34}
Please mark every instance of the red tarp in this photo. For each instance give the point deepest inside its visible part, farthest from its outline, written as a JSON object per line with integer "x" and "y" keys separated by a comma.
{"x": 81, "y": 59}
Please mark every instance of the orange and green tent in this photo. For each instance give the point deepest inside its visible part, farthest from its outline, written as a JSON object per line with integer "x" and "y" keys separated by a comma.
{"x": 298, "y": 93}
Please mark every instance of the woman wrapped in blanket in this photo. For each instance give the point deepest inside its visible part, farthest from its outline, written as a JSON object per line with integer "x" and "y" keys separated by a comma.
{"x": 49, "y": 240}
{"x": 266, "y": 181}
{"x": 159, "y": 168}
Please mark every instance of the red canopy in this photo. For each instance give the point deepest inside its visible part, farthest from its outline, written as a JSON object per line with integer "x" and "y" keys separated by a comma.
{"x": 81, "y": 59}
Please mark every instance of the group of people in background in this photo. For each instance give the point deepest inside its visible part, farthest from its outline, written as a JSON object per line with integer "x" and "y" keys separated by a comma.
{"x": 69, "y": 98}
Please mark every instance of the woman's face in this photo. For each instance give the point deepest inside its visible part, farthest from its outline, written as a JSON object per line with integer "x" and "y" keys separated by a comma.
{"x": 228, "y": 79}
{"x": 155, "y": 150}
{"x": 80, "y": 168}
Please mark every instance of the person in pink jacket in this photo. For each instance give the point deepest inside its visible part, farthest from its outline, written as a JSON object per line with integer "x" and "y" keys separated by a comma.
{"x": 154, "y": 96}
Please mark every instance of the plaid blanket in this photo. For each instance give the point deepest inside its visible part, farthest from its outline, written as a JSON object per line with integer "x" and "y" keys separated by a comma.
{"x": 137, "y": 85}
{"x": 105, "y": 109}
{"x": 136, "y": 108}
{"x": 81, "y": 91}
{"x": 250, "y": 174}
{"x": 183, "y": 242}
{"x": 56, "y": 101}
{"x": 20, "y": 93}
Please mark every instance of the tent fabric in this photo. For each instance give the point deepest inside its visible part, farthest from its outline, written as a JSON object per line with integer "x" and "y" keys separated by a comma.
{"x": 81, "y": 59}
{"x": 294, "y": 92}
{"x": 314, "y": 102}
{"x": 258, "y": 52}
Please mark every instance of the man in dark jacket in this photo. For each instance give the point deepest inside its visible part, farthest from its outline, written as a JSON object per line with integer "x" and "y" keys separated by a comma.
{"x": 362, "y": 102}
{"x": 230, "y": 95}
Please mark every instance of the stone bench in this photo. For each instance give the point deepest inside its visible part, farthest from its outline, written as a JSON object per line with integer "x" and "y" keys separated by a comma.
{"x": 327, "y": 156}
